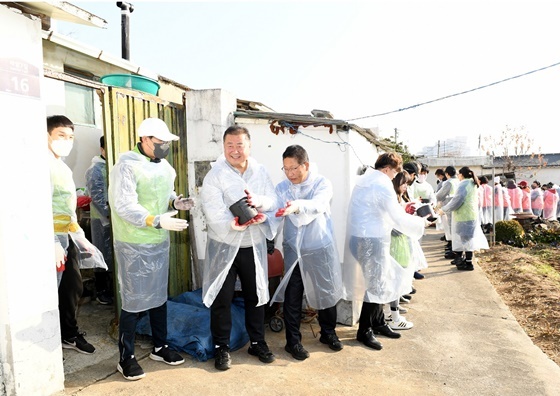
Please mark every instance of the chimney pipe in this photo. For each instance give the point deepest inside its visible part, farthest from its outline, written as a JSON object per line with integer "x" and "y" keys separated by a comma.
{"x": 126, "y": 9}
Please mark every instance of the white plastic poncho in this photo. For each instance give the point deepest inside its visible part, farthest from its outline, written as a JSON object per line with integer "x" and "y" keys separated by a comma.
{"x": 223, "y": 186}
{"x": 485, "y": 203}
{"x": 498, "y": 203}
{"x": 424, "y": 190}
{"x": 139, "y": 188}
{"x": 466, "y": 232}
{"x": 96, "y": 183}
{"x": 309, "y": 241}
{"x": 369, "y": 271}
{"x": 64, "y": 201}
{"x": 443, "y": 196}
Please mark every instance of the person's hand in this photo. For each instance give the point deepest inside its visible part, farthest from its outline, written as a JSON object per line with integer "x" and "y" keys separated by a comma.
{"x": 168, "y": 222}
{"x": 258, "y": 219}
{"x": 59, "y": 257}
{"x": 183, "y": 203}
{"x": 291, "y": 208}
{"x": 410, "y": 208}
{"x": 253, "y": 200}
{"x": 239, "y": 227}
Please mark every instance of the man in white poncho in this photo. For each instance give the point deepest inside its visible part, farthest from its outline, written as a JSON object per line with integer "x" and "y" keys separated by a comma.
{"x": 143, "y": 203}
{"x": 369, "y": 272}
{"x": 235, "y": 249}
{"x": 311, "y": 261}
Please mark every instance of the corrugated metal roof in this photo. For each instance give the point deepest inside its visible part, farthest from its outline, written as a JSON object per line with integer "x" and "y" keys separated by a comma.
{"x": 288, "y": 121}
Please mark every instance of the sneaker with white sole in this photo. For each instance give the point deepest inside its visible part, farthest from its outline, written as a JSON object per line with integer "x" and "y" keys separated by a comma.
{"x": 166, "y": 355}
{"x": 402, "y": 310}
{"x": 403, "y": 300}
{"x": 130, "y": 369}
{"x": 78, "y": 343}
{"x": 403, "y": 324}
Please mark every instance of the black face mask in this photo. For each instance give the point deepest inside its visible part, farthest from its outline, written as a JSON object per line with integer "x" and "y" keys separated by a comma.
{"x": 161, "y": 150}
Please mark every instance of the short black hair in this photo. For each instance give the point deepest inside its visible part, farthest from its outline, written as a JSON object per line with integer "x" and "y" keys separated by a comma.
{"x": 57, "y": 121}
{"x": 411, "y": 168}
{"x": 102, "y": 142}
{"x": 297, "y": 152}
{"x": 451, "y": 171}
{"x": 237, "y": 130}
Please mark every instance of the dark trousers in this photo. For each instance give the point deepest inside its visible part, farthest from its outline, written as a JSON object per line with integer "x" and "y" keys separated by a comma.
{"x": 220, "y": 311}
{"x": 371, "y": 316}
{"x": 127, "y": 329}
{"x": 69, "y": 293}
{"x": 293, "y": 299}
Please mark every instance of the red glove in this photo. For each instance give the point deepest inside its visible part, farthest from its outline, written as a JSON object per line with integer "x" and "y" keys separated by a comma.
{"x": 410, "y": 208}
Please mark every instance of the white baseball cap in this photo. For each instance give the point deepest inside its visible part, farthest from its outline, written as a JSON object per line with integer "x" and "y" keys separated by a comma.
{"x": 156, "y": 128}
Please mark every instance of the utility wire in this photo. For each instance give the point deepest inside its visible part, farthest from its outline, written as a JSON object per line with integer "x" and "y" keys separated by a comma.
{"x": 455, "y": 94}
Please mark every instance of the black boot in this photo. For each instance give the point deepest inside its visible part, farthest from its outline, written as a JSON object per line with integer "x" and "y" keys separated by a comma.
{"x": 458, "y": 258}
{"x": 465, "y": 266}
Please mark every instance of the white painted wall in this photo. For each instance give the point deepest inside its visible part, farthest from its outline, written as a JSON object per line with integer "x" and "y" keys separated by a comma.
{"x": 335, "y": 160}
{"x": 30, "y": 350}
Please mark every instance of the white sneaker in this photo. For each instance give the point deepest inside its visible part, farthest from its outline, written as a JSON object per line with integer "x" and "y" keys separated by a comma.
{"x": 402, "y": 310}
{"x": 403, "y": 324}
{"x": 403, "y": 300}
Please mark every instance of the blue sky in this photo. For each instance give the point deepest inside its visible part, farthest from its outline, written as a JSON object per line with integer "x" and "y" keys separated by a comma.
{"x": 358, "y": 59}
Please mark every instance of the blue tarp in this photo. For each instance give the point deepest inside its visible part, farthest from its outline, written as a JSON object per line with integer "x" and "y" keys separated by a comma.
{"x": 188, "y": 325}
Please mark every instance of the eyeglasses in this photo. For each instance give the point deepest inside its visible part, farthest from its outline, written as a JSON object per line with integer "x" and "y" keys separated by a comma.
{"x": 288, "y": 170}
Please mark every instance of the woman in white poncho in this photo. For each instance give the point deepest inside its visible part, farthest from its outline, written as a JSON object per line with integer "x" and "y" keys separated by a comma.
{"x": 311, "y": 261}
{"x": 467, "y": 233}
{"x": 370, "y": 274}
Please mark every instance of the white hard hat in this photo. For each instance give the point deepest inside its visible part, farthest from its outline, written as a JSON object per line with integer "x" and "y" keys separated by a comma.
{"x": 156, "y": 128}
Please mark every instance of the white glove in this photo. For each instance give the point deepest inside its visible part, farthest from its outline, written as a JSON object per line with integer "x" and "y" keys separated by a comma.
{"x": 254, "y": 200}
{"x": 292, "y": 207}
{"x": 167, "y": 222}
{"x": 238, "y": 227}
{"x": 59, "y": 257}
{"x": 183, "y": 203}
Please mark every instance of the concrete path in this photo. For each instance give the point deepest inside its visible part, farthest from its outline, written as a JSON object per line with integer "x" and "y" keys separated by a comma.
{"x": 465, "y": 341}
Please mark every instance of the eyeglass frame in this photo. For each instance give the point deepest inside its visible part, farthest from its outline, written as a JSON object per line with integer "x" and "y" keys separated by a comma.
{"x": 288, "y": 170}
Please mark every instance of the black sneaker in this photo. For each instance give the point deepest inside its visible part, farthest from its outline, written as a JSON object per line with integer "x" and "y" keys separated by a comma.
{"x": 103, "y": 299}
{"x": 130, "y": 369}
{"x": 297, "y": 351}
{"x": 332, "y": 341}
{"x": 166, "y": 355}
{"x": 261, "y": 350}
{"x": 222, "y": 359}
{"x": 78, "y": 343}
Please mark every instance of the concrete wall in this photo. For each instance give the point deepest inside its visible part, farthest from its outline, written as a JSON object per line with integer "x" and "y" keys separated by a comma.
{"x": 30, "y": 350}
{"x": 209, "y": 113}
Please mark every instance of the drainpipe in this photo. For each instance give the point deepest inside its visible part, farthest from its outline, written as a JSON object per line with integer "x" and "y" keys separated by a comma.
{"x": 126, "y": 9}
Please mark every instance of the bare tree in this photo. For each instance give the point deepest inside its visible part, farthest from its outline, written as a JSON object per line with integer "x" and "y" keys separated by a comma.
{"x": 512, "y": 143}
